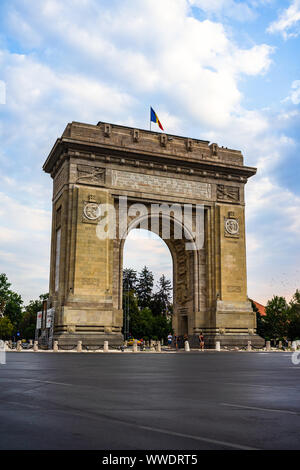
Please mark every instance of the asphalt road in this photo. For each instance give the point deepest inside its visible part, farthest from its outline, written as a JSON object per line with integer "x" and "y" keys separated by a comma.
{"x": 211, "y": 400}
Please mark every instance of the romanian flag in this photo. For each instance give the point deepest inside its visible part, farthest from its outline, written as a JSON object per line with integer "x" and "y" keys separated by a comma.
{"x": 154, "y": 118}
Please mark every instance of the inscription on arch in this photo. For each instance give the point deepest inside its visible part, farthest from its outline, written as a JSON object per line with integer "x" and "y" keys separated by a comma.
{"x": 160, "y": 184}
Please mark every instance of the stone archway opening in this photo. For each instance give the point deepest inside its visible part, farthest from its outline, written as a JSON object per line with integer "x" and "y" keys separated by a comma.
{"x": 143, "y": 248}
{"x": 188, "y": 268}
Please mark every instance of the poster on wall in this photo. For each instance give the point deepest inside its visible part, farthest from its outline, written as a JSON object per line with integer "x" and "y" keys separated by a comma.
{"x": 50, "y": 313}
{"x": 39, "y": 320}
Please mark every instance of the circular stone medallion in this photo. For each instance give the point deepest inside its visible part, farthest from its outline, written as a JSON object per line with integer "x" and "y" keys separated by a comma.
{"x": 232, "y": 226}
{"x": 91, "y": 211}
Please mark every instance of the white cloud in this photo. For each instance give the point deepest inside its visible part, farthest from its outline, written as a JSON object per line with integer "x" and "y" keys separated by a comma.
{"x": 2, "y": 92}
{"x": 254, "y": 61}
{"x": 239, "y": 10}
{"x": 143, "y": 248}
{"x": 273, "y": 228}
{"x": 288, "y": 22}
{"x": 24, "y": 240}
{"x": 152, "y": 47}
{"x": 294, "y": 95}
{"x": 288, "y": 115}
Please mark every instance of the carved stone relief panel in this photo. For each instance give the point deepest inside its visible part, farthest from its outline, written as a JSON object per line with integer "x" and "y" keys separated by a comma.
{"x": 228, "y": 193}
{"x": 90, "y": 175}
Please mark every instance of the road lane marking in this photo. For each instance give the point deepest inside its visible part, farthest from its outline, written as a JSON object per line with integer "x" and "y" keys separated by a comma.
{"x": 48, "y": 382}
{"x": 197, "y": 438}
{"x": 260, "y": 409}
{"x": 182, "y": 435}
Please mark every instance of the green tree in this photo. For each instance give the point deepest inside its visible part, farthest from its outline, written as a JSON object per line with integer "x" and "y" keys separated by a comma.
{"x": 161, "y": 302}
{"x": 260, "y": 323}
{"x": 130, "y": 311}
{"x": 143, "y": 324}
{"x": 162, "y": 326}
{"x": 276, "y": 321}
{"x": 4, "y": 292}
{"x": 294, "y": 323}
{"x": 28, "y": 323}
{"x": 6, "y": 328}
{"x": 14, "y": 310}
{"x": 144, "y": 287}
{"x": 129, "y": 279}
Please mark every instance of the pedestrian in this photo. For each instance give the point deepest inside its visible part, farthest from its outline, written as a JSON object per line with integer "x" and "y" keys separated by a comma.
{"x": 201, "y": 341}
{"x": 170, "y": 339}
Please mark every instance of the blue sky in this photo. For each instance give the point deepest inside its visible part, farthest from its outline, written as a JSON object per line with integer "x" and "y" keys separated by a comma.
{"x": 227, "y": 71}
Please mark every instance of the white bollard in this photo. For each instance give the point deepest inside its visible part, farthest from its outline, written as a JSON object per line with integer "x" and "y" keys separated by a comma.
{"x": 218, "y": 346}
{"x": 55, "y": 346}
{"x": 135, "y": 346}
{"x": 3, "y": 352}
{"x": 79, "y": 346}
{"x": 268, "y": 345}
{"x": 105, "y": 346}
{"x": 249, "y": 347}
{"x": 36, "y": 346}
{"x": 280, "y": 345}
{"x": 186, "y": 346}
{"x": 19, "y": 347}
{"x": 30, "y": 342}
{"x": 158, "y": 349}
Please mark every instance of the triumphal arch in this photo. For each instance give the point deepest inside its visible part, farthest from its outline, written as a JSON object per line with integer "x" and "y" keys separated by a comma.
{"x": 109, "y": 179}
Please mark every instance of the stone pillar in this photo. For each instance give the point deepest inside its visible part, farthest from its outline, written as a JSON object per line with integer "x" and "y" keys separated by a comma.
{"x": 135, "y": 346}
{"x": 280, "y": 345}
{"x": 218, "y": 346}
{"x": 19, "y": 347}
{"x": 158, "y": 349}
{"x": 289, "y": 344}
{"x": 55, "y": 346}
{"x": 268, "y": 345}
{"x": 36, "y": 346}
{"x": 79, "y": 346}
{"x": 30, "y": 342}
{"x": 186, "y": 346}
{"x": 233, "y": 309}
{"x": 249, "y": 347}
{"x": 105, "y": 346}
